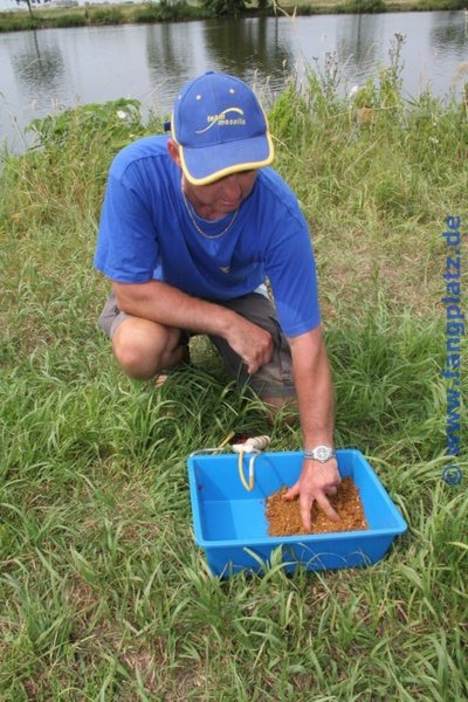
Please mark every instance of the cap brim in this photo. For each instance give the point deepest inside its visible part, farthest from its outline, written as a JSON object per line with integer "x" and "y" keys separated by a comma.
{"x": 206, "y": 164}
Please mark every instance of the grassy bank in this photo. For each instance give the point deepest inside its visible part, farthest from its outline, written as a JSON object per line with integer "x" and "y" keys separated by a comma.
{"x": 46, "y": 18}
{"x": 104, "y": 596}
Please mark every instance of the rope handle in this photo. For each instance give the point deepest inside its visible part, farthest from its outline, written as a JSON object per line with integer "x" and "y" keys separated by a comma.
{"x": 253, "y": 446}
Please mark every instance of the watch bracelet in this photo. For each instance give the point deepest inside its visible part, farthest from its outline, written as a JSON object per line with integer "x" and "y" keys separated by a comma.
{"x": 309, "y": 455}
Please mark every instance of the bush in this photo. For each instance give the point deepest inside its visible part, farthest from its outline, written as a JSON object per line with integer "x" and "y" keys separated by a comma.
{"x": 232, "y": 8}
{"x": 71, "y": 20}
{"x": 444, "y": 5}
{"x": 307, "y": 10}
{"x": 363, "y": 6}
{"x": 111, "y": 122}
{"x": 16, "y": 22}
{"x": 147, "y": 14}
{"x": 111, "y": 15}
{"x": 165, "y": 12}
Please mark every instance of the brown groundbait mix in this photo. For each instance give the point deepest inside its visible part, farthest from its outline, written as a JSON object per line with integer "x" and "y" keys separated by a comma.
{"x": 284, "y": 517}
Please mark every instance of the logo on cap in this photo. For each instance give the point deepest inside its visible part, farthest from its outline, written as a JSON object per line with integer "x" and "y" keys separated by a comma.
{"x": 222, "y": 119}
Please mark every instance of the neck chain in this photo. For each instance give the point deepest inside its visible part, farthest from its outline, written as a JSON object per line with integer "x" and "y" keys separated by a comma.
{"x": 190, "y": 211}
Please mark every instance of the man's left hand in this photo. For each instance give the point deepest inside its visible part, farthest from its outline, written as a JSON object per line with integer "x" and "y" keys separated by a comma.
{"x": 317, "y": 480}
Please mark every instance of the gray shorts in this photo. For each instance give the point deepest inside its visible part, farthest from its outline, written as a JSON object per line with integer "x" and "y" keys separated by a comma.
{"x": 274, "y": 379}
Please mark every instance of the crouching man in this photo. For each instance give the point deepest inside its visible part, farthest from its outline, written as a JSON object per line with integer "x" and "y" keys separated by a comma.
{"x": 192, "y": 225}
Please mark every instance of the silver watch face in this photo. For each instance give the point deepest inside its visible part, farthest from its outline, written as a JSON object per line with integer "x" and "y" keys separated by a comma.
{"x": 323, "y": 453}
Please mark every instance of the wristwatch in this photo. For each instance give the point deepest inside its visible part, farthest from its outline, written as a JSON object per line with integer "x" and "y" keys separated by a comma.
{"x": 322, "y": 454}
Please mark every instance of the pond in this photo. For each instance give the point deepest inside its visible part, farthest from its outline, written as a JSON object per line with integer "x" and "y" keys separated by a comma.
{"x": 46, "y": 70}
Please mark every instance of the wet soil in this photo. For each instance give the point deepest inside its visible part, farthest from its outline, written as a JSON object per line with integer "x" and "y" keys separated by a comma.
{"x": 284, "y": 517}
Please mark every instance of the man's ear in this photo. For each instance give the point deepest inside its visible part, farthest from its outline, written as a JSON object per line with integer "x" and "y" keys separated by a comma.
{"x": 173, "y": 150}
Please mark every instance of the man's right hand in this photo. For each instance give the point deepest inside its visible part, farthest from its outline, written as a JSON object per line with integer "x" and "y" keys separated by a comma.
{"x": 252, "y": 343}
{"x": 166, "y": 305}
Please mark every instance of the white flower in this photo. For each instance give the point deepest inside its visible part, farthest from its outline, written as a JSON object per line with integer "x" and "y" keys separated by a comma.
{"x": 121, "y": 114}
{"x": 354, "y": 90}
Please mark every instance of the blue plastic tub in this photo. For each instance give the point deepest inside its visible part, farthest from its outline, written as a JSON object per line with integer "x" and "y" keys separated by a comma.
{"x": 230, "y": 523}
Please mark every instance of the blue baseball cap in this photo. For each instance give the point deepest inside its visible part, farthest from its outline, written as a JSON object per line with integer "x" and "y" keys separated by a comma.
{"x": 220, "y": 128}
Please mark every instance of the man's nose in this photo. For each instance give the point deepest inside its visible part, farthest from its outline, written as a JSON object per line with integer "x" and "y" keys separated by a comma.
{"x": 231, "y": 187}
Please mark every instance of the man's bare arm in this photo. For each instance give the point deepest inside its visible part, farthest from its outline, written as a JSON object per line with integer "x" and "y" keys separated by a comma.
{"x": 314, "y": 389}
{"x": 162, "y": 303}
{"x": 312, "y": 378}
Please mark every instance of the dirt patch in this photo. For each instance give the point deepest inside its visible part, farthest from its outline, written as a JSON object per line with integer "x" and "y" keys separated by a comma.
{"x": 144, "y": 664}
{"x": 284, "y": 517}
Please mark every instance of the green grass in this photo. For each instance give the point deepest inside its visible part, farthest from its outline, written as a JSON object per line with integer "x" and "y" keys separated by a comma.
{"x": 104, "y": 596}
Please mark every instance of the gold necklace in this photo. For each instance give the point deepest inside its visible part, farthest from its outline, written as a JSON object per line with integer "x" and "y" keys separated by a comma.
{"x": 189, "y": 209}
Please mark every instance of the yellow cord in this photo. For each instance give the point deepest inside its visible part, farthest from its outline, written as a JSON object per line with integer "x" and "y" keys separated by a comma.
{"x": 249, "y": 486}
{"x": 254, "y": 446}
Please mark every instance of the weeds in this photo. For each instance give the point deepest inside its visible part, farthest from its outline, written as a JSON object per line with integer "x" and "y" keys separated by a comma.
{"x": 103, "y": 593}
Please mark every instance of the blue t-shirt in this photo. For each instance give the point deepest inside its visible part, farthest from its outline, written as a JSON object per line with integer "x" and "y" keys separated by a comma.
{"x": 146, "y": 233}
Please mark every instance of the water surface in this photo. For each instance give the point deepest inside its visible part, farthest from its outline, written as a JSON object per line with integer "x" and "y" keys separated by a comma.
{"x": 47, "y": 70}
